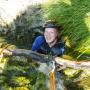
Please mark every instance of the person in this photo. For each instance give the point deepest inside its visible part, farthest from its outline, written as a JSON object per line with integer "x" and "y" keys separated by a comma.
{"x": 48, "y": 42}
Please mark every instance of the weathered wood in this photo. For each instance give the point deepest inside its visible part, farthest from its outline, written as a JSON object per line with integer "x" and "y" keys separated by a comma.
{"x": 44, "y": 58}
{"x": 73, "y": 64}
{"x": 23, "y": 52}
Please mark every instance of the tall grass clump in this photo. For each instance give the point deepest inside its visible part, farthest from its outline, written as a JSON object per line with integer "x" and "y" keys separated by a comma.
{"x": 74, "y": 16}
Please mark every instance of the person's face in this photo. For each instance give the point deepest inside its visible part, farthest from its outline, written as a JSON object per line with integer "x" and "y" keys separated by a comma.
{"x": 50, "y": 34}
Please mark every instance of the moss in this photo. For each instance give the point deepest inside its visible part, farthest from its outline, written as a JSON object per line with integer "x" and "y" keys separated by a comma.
{"x": 71, "y": 73}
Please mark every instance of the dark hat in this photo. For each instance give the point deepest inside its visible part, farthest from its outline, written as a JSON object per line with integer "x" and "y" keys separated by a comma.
{"x": 51, "y": 24}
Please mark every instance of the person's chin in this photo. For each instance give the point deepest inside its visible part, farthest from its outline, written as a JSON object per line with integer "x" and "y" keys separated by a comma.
{"x": 48, "y": 41}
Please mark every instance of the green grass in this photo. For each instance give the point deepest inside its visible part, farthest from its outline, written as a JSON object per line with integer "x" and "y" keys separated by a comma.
{"x": 74, "y": 16}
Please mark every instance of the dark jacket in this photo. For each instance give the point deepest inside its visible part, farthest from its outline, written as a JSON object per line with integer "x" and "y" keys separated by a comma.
{"x": 41, "y": 46}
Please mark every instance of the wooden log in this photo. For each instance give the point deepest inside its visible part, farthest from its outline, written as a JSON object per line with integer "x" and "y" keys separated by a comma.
{"x": 73, "y": 64}
{"x": 45, "y": 58}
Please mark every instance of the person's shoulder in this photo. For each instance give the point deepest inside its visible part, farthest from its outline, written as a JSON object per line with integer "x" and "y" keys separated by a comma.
{"x": 37, "y": 42}
{"x": 40, "y": 38}
{"x": 61, "y": 44}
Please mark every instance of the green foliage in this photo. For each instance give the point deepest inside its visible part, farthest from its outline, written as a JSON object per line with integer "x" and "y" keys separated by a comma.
{"x": 70, "y": 85}
{"x": 25, "y": 27}
{"x": 2, "y": 79}
{"x": 71, "y": 73}
{"x": 73, "y": 15}
{"x": 21, "y": 74}
{"x": 40, "y": 84}
{"x": 20, "y": 88}
{"x": 21, "y": 34}
{"x": 20, "y": 81}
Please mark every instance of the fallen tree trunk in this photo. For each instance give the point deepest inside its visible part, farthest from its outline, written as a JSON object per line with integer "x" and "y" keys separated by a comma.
{"x": 45, "y": 58}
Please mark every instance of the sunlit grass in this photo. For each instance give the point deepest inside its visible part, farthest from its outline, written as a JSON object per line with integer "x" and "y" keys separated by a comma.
{"x": 87, "y": 20}
{"x": 67, "y": 2}
{"x": 75, "y": 19}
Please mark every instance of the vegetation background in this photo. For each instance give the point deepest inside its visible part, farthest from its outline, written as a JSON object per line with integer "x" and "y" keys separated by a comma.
{"x": 74, "y": 16}
{"x": 19, "y": 72}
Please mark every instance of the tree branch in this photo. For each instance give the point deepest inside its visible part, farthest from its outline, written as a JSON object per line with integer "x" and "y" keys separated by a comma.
{"x": 45, "y": 58}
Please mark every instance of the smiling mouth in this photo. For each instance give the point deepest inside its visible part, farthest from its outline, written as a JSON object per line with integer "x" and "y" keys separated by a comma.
{"x": 48, "y": 38}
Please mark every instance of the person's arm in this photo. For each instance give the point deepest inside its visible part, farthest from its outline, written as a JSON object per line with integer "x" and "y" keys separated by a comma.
{"x": 38, "y": 41}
